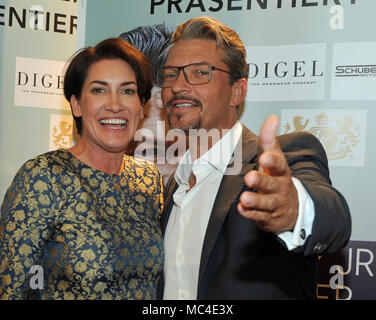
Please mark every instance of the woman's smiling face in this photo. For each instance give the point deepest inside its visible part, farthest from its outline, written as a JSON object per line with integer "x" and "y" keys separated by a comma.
{"x": 109, "y": 105}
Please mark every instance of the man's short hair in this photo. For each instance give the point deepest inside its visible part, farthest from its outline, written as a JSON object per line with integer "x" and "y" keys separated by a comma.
{"x": 227, "y": 39}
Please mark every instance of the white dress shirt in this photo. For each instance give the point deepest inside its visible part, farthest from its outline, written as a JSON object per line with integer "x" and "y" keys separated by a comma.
{"x": 191, "y": 211}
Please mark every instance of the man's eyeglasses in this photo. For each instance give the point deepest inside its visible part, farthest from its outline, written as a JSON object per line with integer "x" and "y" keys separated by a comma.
{"x": 194, "y": 73}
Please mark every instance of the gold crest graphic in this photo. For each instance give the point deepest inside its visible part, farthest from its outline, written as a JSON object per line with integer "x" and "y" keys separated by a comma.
{"x": 339, "y": 140}
{"x": 62, "y": 135}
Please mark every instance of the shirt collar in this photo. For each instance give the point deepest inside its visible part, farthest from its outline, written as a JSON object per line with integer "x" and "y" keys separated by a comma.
{"x": 184, "y": 169}
{"x": 219, "y": 155}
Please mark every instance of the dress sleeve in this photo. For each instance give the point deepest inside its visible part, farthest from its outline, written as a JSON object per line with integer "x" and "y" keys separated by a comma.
{"x": 26, "y": 223}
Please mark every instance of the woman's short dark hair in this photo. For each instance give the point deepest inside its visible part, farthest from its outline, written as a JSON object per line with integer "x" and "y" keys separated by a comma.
{"x": 113, "y": 48}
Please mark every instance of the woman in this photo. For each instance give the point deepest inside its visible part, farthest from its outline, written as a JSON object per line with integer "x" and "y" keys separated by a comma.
{"x": 86, "y": 218}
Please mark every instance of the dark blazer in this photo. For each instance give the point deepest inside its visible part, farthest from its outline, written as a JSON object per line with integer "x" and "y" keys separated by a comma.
{"x": 238, "y": 260}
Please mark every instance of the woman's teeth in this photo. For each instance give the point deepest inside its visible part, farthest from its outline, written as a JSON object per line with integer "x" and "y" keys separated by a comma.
{"x": 114, "y": 122}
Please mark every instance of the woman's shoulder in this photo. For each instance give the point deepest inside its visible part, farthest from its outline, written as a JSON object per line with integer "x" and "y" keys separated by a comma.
{"x": 45, "y": 166}
{"x": 38, "y": 173}
{"x": 140, "y": 164}
{"x": 51, "y": 159}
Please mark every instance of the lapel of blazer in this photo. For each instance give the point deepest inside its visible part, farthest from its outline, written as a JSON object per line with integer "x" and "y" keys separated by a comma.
{"x": 229, "y": 190}
{"x": 168, "y": 202}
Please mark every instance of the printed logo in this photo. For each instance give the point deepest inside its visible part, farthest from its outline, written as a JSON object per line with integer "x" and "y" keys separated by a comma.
{"x": 349, "y": 274}
{"x": 341, "y": 132}
{"x": 61, "y": 131}
{"x": 185, "y": 6}
{"x": 39, "y": 84}
{"x": 354, "y": 71}
{"x": 37, "y": 18}
{"x": 292, "y": 72}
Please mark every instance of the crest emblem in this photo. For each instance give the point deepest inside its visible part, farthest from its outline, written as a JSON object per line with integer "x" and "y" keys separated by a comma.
{"x": 61, "y": 131}
{"x": 340, "y": 131}
{"x": 62, "y": 136}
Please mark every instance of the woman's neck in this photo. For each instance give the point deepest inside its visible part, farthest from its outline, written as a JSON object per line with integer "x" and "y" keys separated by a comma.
{"x": 98, "y": 158}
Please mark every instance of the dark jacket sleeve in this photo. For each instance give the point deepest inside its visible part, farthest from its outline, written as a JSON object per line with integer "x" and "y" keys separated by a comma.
{"x": 308, "y": 162}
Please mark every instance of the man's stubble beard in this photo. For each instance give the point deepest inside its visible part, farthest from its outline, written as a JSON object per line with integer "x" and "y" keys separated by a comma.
{"x": 193, "y": 124}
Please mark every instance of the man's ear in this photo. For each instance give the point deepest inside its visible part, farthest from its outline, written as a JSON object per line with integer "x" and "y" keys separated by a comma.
{"x": 76, "y": 109}
{"x": 239, "y": 91}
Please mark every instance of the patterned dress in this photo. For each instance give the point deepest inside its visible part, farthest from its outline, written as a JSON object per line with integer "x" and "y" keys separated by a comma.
{"x": 88, "y": 234}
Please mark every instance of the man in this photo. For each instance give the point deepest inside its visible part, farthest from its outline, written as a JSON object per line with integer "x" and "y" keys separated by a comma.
{"x": 153, "y": 41}
{"x": 256, "y": 234}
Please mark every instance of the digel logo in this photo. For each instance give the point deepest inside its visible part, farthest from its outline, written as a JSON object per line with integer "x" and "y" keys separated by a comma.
{"x": 39, "y": 83}
{"x": 292, "y": 72}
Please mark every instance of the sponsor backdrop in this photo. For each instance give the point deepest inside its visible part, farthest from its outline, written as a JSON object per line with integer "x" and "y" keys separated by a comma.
{"x": 312, "y": 62}
{"x": 36, "y": 40}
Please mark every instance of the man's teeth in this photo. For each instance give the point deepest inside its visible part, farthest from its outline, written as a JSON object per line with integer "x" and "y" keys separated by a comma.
{"x": 180, "y": 105}
{"x": 113, "y": 121}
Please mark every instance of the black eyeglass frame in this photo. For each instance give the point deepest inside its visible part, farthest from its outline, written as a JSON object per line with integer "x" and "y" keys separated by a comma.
{"x": 182, "y": 68}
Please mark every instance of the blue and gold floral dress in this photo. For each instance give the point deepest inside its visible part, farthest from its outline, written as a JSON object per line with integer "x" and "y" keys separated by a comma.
{"x": 90, "y": 234}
